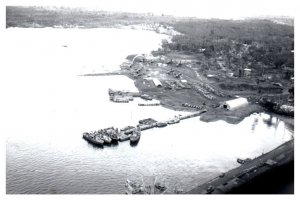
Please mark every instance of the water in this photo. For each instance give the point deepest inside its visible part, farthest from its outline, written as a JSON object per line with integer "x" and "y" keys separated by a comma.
{"x": 47, "y": 107}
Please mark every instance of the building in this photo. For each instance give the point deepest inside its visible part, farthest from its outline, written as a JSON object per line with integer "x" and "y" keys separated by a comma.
{"x": 234, "y": 103}
{"x": 157, "y": 82}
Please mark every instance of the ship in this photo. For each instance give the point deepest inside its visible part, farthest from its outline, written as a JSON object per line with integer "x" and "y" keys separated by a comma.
{"x": 128, "y": 130}
{"x": 105, "y": 138}
{"x": 113, "y": 134}
{"x": 136, "y": 134}
{"x": 93, "y": 139}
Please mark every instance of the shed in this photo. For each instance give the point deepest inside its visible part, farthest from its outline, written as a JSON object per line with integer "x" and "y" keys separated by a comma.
{"x": 157, "y": 82}
{"x": 234, "y": 103}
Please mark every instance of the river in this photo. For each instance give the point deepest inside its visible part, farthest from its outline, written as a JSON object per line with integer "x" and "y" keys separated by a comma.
{"x": 48, "y": 107}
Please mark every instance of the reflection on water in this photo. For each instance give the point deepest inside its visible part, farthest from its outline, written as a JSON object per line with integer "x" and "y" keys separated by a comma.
{"x": 47, "y": 154}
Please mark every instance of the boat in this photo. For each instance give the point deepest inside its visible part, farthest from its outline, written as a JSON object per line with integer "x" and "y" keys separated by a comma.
{"x": 145, "y": 126}
{"x": 127, "y": 128}
{"x": 124, "y": 137}
{"x": 120, "y": 100}
{"x": 174, "y": 120}
{"x": 94, "y": 139}
{"x": 136, "y": 134}
{"x": 146, "y": 97}
{"x": 114, "y": 137}
{"x": 161, "y": 124}
{"x": 111, "y": 92}
{"x": 160, "y": 186}
{"x": 129, "y": 131}
{"x": 147, "y": 121}
{"x": 113, "y": 134}
{"x": 133, "y": 187}
{"x": 241, "y": 161}
{"x": 105, "y": 138}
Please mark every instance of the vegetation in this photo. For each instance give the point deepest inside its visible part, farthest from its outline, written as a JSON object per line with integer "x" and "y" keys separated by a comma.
{"x": 74, "y": 17}
{"x": 246, "y": 43}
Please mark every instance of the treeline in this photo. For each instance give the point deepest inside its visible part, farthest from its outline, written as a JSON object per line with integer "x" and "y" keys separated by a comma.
{"x": 255, "y": 41}
{"x": 39, "y": 17}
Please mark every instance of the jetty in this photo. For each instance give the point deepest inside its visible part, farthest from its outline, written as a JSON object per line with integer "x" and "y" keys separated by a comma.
{"x": 107, "y": 135}
{"x": 192, "y": 115}
{"x": 149, "y": 104}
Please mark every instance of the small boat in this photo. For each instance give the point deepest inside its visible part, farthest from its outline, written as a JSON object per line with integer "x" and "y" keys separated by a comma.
{"x": 136, "y": 134}
{"x": 128, "y": 131}
{"x": 127, "y": 128}
{"x": 161, "y": 124}
{"x": 114, "y": 137}
{"x": 174, "y": 121}
{"x": 105, "y": 138}
{"x": 133, "y": 187}
{"x": 113, "y": 134}
{"x": 146, "y": 97}
{"x": 241, "y": 161}
{"x": 147, "y": 121}
{"x": 145, "y": 127}
{"x": 160, "y": 186}
{"x": 93, "y": 139}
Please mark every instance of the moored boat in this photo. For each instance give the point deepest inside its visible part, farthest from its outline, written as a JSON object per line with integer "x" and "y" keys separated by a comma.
{"x": 133, "y": 187}
{"x": 113, "y": 134}
{"x": 124, "y": 137}
{"x": 114, "y": 137}
{"x": 136, "y": 134}
{"x": 161, "y": 124}
{"x": 105, "y": 138}
{"x": 174, "y": 120}
{"x": 242, "y": 161}
{"x": 127, "y": 128}
{"x": 94, "y": 139}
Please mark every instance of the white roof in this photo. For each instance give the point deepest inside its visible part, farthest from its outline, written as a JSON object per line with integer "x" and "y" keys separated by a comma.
{"x": 156, "y": 81}
{"x": 234, "y": 103}
{"x": 210, "y": 75}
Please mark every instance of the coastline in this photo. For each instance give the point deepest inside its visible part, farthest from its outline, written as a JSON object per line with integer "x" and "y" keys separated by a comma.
{"x": 212, "y": 114}
{"x": 265, "y": 167}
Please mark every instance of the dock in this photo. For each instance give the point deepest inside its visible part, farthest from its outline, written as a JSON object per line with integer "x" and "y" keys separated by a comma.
{"x": 149, "y": 123}
{"x": 193, "y": 115}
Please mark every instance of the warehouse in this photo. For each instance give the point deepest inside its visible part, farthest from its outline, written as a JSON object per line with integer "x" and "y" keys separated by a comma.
{"x": 234, "y": 103}
{"x": 157, "y": 82}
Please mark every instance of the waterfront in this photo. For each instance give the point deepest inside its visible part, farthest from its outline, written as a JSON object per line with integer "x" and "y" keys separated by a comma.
{"x": 52, "y": 106}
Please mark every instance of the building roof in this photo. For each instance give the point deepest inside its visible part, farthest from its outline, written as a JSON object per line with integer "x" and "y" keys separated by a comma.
{"x": 234, "y": 103}
{"x": 156, "y": 82}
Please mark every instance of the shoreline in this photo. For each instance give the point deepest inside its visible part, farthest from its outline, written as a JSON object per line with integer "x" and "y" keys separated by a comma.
{"x": 212, "y": 114}
{"x": 238, "y": 180}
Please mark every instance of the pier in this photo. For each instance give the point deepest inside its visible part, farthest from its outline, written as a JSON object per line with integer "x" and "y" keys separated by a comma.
{"x": 145, "y": 124}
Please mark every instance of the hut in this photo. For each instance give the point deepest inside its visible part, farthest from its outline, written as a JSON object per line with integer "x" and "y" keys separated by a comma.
{"x": 234, "y": 103}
